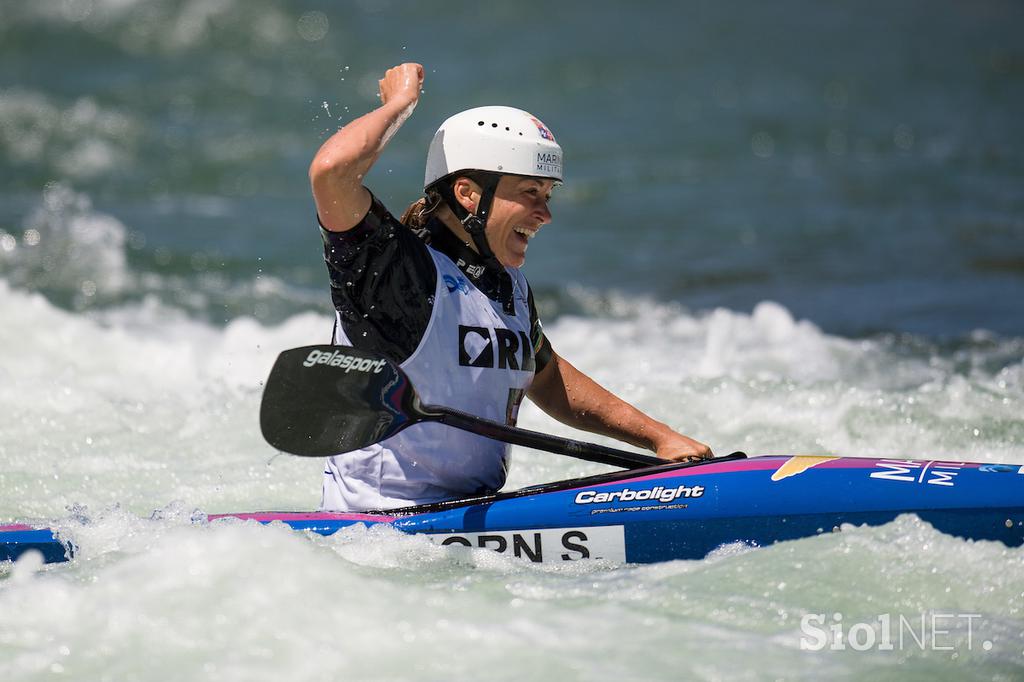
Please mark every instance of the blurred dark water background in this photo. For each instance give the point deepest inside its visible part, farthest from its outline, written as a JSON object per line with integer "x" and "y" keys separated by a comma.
{"x": 860, "y": 163}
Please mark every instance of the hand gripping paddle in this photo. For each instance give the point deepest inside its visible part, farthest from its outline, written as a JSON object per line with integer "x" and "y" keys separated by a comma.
{"x": 321, "y": 401}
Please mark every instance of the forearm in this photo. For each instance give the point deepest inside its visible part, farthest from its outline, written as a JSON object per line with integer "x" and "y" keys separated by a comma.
{"x": 573, "y": 398}
{"x": 337, "y": 171}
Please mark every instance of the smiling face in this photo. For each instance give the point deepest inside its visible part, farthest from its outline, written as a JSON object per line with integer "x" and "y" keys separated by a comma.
{"x": 519, "y": 209}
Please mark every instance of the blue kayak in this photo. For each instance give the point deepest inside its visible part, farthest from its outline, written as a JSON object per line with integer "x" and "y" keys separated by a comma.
{"x": 679, "y": 511}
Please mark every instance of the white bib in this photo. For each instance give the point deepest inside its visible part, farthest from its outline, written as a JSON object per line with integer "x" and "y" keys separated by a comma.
{"x": 472, "y": 357}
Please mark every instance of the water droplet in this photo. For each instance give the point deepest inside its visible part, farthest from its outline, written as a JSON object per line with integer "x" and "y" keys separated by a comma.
{"x": 904, "y": 137}
{"x": 763, "y": 145}
{"x": 313, "y": 26}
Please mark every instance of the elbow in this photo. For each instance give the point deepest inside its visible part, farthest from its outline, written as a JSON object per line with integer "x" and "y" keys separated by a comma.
{"x": 326, "y": 167}
{"x": 334, "y": 177}
{"x": 342, "y": 157}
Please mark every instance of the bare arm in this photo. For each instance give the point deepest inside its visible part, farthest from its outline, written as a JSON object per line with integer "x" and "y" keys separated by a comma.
{"x": 571, "y": 397}
{"x": 338, "y": 168}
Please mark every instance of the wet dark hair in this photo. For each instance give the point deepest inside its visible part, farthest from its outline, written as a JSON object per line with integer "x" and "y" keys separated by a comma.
{"x": 422, "y": 210}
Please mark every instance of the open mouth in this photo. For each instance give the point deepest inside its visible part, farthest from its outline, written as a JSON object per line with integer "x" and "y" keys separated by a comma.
{"x": 526, "y": 232}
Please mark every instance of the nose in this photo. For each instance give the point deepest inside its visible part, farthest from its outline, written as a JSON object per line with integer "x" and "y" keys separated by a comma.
{"x": 542, "y": 212}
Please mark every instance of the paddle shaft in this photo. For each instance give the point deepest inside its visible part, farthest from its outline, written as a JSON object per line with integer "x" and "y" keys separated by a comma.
{"x": 590, "y": 452}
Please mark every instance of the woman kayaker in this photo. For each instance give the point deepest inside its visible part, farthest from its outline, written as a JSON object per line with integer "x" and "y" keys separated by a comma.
{"x": 442, "y": 294}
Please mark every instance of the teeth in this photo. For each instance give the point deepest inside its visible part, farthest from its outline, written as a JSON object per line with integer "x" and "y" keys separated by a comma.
{"x": 525, "y": 232}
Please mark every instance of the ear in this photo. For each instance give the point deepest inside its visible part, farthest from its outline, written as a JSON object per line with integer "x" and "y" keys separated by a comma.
{"x": 466, "y": 193}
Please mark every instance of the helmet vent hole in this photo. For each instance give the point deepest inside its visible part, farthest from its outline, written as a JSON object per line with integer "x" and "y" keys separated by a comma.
{"x": 520, "y": 134}
{"x": 480, "y": 123}
{"x": 494, "y": 125}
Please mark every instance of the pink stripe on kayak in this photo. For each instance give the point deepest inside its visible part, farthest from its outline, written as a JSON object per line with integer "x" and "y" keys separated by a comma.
{"x": 267, "y": 517}
{"x": 15, "y": 527}
{"x": 773, "y": 462}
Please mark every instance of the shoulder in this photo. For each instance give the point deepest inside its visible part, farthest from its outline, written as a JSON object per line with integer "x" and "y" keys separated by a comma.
{"x": 378, "y": 231}
{"x": 377, "y": 217}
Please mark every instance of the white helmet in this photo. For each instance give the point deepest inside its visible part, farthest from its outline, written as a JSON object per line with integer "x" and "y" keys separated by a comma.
{"x": 496, "y": 139}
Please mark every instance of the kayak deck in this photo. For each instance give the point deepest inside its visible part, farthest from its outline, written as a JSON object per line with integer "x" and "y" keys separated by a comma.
{"x": 678, "y": 511}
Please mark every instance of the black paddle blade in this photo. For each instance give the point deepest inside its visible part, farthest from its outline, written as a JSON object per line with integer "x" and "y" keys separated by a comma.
{"x": 321, "y": 401}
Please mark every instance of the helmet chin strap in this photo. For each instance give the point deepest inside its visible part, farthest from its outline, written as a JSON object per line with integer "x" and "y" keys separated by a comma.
{"x": 475, "y": 224}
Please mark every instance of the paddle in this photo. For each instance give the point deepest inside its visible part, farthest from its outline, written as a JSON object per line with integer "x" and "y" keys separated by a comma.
{"x": 320, "y": 401}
